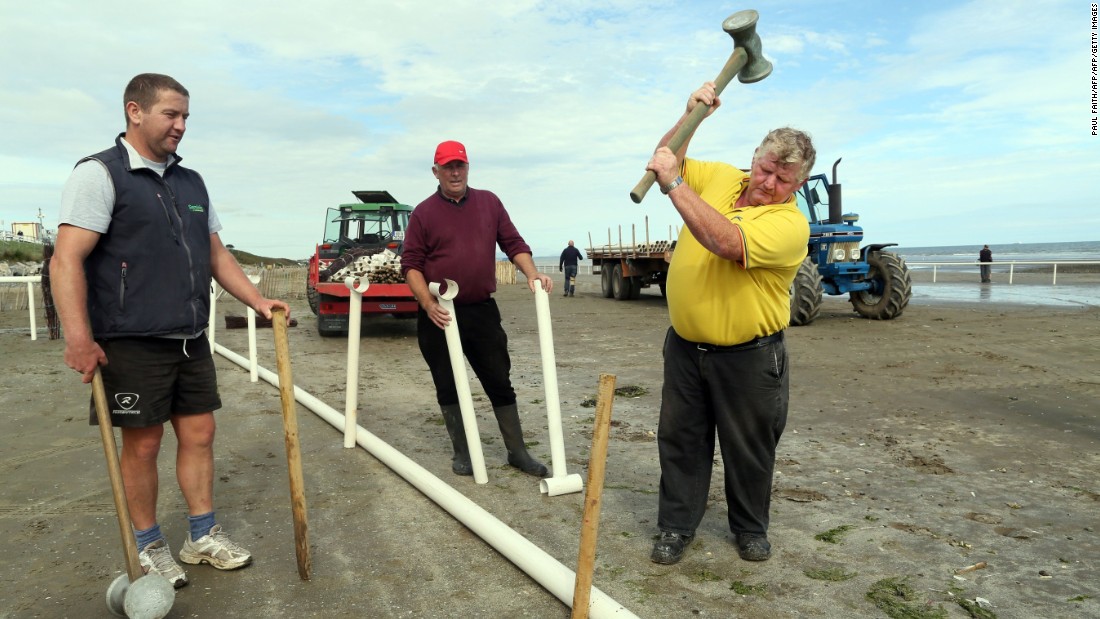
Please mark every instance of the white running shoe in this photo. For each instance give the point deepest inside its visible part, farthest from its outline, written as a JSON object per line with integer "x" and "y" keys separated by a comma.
{"x": 216, "y": 549}
{"x": 157, "y": 558}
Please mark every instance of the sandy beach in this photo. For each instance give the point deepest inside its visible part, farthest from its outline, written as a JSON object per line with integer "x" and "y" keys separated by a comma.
{"x": 946, "y": 461}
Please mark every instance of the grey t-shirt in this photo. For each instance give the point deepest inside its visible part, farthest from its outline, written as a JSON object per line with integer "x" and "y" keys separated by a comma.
{"x": 88, "y": 198}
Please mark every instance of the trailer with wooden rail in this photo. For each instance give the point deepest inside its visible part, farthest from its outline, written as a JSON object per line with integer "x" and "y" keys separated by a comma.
{"x": 627, "y": 265}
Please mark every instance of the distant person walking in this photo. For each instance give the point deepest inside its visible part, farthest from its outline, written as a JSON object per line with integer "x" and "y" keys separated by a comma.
{"x": 985, "y": 256}
{"x": 568, "y": 263}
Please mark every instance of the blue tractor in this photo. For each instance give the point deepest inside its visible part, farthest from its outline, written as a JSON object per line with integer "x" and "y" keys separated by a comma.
{"x": 877, "y": 282}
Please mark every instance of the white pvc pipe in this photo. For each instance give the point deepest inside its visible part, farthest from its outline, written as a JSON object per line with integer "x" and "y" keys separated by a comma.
{"x": 355, "y": 321}
{"x": 213, "y": 314}
{"x": 30, "y": 308}
{"x": 462, "y": 380}
{"x": 560, "y": 482}
{"x": 252, "y": 363}
{"x": 534, "y": 561}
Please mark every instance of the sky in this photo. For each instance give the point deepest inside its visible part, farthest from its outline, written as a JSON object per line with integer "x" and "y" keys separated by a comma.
{"x": 958, "y": 122}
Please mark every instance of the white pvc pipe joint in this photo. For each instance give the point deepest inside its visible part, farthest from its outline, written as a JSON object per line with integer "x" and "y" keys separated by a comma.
{"x": 462, "y": 380}
{"x": 355, "y": 321}
{"x": 560, "y": 482}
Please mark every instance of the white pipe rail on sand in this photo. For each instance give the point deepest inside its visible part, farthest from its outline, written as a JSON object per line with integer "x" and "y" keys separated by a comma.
{"x": 560, "y": 482}
{"x": 462, "y": 380}
{"x": 356, "y": 289}
{"x": 534, "y": 561}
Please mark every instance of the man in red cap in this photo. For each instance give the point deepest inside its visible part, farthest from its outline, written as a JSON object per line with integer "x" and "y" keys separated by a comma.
{"x": 453, "y": 234}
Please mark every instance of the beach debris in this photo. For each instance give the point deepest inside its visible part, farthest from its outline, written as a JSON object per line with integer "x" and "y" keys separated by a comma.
{"x": 834, "y": 535}
{"x": 980, "y": 565}
{"x": 979, "y": 608}
{"x": 1045, "y": 574}
{"x": 799, "y": 495}
{"x": 896, "y": 598}
{"x": 631, "y": 391}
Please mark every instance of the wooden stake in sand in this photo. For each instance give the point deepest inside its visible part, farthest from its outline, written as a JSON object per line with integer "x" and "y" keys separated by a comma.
{"x": 597, "y": 464}
{"x": 293, "y": 452}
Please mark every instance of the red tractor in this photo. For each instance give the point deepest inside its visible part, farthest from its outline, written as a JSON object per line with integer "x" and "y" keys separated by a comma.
{"x": 362, "y": 240}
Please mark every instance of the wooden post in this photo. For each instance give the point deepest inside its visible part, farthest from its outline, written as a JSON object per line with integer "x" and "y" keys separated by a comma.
{"x": 597, "y": 464}
{"x": 293, "y": 452}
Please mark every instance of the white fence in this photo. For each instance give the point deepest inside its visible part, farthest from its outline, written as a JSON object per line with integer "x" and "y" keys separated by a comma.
{"x": 19, "y": 238}
{"x": 18, "y": 293}
{"x": 1000, "y": 267}
{"x": 583, "y": 268}
{"x": 25, "y": 285}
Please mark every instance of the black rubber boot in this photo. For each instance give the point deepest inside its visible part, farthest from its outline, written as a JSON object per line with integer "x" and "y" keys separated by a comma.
{"x": 512, "y": 433}
{"x": 460, "y": 463}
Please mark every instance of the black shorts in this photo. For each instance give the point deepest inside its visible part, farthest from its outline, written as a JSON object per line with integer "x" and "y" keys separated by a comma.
{"x": 149, "y": 379}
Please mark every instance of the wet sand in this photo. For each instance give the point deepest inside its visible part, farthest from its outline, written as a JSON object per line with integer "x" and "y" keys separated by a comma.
{"x": 961, "y": 434}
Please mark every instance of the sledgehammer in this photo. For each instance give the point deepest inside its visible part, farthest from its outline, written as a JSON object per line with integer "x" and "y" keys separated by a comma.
{"x": 749, "y": 65}
{"x": 134, "y": 594}
{"x": 560, "y": 482}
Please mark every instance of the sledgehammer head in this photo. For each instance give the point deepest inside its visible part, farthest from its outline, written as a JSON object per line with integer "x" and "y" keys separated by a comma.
{"x": 742, "y": 27}
{"x": 148, "y": 597}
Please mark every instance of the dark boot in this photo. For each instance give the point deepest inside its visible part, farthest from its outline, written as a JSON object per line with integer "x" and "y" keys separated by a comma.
{"x": 512, "y": 433}
{"x": 460, "y": 463}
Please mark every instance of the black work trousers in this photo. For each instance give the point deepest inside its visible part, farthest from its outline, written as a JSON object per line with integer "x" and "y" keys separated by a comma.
{"x": 485, "y": 345}
{"x": 739, "y": 392}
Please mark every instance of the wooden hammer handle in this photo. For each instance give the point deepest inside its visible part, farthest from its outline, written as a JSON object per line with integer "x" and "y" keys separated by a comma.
{"x": 118, "y": 489}
{"x": 736, "y": 62}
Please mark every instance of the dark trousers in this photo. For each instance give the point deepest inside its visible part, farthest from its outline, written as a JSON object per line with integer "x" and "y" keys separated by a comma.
{"x": 570, "y": 275}
{"x": 742, "y": 394}
{"x": 485, "y": 345}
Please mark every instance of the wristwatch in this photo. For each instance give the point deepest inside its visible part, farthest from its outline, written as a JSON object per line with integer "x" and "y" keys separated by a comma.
{"x": 673, "y": 185}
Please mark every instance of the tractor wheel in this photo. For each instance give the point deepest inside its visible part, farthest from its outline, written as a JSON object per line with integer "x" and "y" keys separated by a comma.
{"x": 325, "y": 332}
{"x": 313, "y": 298}
{"x": 606, "y": 273}
{"x": 895, "y": 288}
{"x": 664, "y": 293}
{"x": 805, "y": 294}
{"x": 635, "y": 288}
{"x": 620, "y": 285}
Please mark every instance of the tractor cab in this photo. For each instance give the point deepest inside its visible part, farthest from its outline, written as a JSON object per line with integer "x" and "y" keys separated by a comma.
{"x": 376, "y": 222}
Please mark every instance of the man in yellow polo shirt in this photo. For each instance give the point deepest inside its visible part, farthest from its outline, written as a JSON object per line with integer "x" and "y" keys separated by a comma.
{"x": 725, "y": 360}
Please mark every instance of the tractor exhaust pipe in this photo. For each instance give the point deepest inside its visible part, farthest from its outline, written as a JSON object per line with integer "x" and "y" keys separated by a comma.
{"x": 835, "y": 210}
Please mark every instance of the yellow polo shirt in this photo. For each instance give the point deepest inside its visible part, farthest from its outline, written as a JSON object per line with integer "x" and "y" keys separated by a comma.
{"x": 716, "y": 301}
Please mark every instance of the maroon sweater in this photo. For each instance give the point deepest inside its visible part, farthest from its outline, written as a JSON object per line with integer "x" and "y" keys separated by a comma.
{"x": 449, "y": 240}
